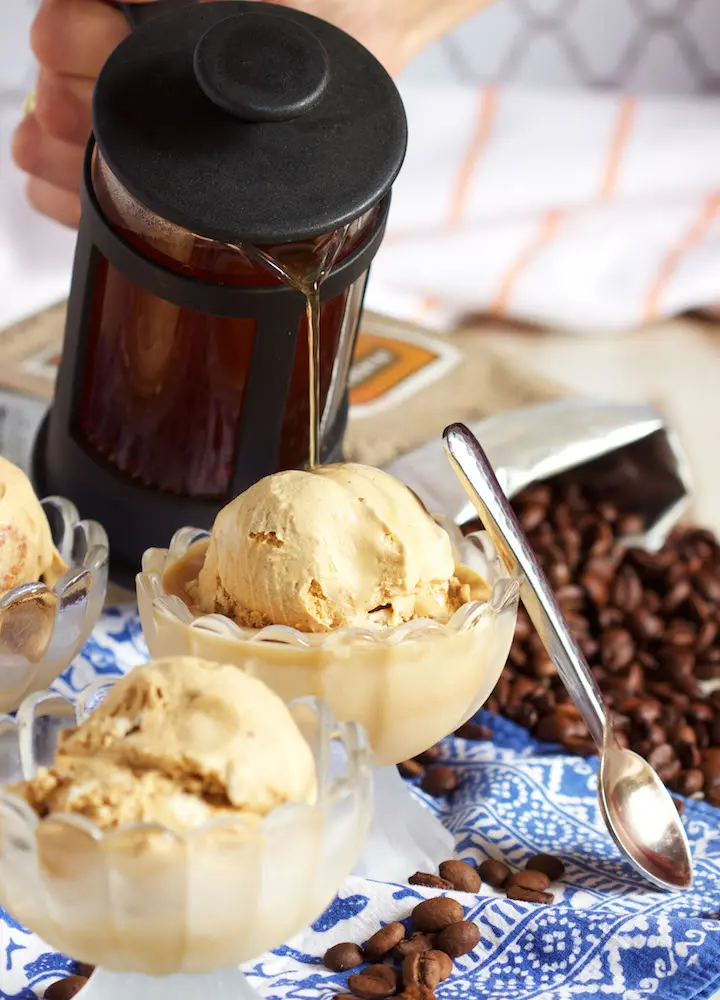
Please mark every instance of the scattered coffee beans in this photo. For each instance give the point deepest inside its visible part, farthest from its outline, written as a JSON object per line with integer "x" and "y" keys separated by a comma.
{"x": 441, "y": 934}
{"x": 342, "y": 957}
{"x": 461, "y": 876}
{"x": 439, "y": 779}
{"x": 430, "y": 881}
{"x": 65, "y": 989}
{"x": 458, "y": 939}
{"x": 374, "y": 983}
{"x": 495, "y": 873}
{"x": 648, "y": 623}
{"x": 383, "y": 941}
{"x": 548, "y": 864}
{"x": 433, "y": 915}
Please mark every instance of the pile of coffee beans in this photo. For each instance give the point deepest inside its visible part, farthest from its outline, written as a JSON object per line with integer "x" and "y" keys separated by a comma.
{"x": 409, "y": 966}
{"x": 648, "y": 624}
{"x": 530, "y": 885}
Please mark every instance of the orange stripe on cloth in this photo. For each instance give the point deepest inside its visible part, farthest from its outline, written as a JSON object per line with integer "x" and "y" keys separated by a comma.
{"x": 671, "y": 262}
{"x": 618, "y": 143}
{"x": 546, "y": 231}
{"x": 487, "y": 104}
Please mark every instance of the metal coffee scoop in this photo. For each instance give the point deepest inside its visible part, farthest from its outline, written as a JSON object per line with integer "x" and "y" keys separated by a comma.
{"x": 638, "y": 810}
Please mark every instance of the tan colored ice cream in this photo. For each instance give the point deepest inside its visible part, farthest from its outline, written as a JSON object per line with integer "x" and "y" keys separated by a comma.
{"x": 178, "y": 741}
{"x": 27, "y": 553}
{"x": 337, "y": 546}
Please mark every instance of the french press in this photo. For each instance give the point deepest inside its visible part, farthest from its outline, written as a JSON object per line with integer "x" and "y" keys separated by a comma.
{"x": 223, "y": 134}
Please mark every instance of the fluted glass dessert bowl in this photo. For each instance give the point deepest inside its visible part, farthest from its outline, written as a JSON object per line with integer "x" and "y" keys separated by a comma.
{"x": 408, "y": 686}
{"x": 42, "y": 629}
{"x": 143, "y": 899}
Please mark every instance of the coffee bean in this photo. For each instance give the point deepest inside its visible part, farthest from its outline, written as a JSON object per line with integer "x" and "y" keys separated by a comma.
{"x": 691, "y": 781}
{"x": 548, "y": 864}
{"x": 413, "y": 945}
{"x": 711, "y": 771}
{"x": 474, "y": 731}
{"x": 342, "y": 957}
{"x": 646, "y": 625}
{"x": 463, "y": 877}
{"x": 495, "y": 873}
{"x": 529, "y": 895}
{"x": 411, "y": 769}
{"x": 538, "y": 881}
{"x": 458, "y": 939}
{"x": 432, "y": 915}
{"x": 383, "y": 941}
{"x": 83, "y": 969}
{"x": 430, "y": 881}
{"x": 647, "y": 712}
{"x": 429, "y": 968}
{"x": 439, "y": 780}
{"x": 688, "y": 755}
{"x": 373, "y": 983}
{"x": 556, "y": 728}
{"x": 444, "y": 962}
{"x": 531, "y": 515}
{"x": 617, "y": 649}
{"x": 709, "y": 586}
{"x": 661, "y": 756}
{"x": 669, "y": 773}
{"x": 627, "y": 591}
{"x": 66, "y": 988}
{"x": 430, "y": 755}
{"x": 416, "y": 992}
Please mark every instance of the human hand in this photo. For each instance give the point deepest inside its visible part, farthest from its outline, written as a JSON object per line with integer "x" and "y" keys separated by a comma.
{"x": 71, "y": 40}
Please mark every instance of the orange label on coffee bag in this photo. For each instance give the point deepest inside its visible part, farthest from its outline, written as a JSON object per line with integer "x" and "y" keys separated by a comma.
{"x": 389, "y": 368}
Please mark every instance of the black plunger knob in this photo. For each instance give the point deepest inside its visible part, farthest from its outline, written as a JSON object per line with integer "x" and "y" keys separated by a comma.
{"x": 262, "y": 68}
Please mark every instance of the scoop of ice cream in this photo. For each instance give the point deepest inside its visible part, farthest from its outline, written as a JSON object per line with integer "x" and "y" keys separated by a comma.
{"x": 27, "y": 553}
{"x": 340, "y": 545}
{"x": 178, "y": 742}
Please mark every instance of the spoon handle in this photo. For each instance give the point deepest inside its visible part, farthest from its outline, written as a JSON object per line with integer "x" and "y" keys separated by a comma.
{"x": 476, "y": 475}
{"x": 139, "y": 14}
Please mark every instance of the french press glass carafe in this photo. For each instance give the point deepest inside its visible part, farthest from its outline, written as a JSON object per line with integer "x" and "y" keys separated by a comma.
{"x": 223, "y": 133}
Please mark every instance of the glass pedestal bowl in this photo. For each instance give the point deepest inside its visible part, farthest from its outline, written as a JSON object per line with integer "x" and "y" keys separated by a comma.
{"x": 408, "y": 687}
{"x": 42, "y": 629}
{"x": 168, "y": 915}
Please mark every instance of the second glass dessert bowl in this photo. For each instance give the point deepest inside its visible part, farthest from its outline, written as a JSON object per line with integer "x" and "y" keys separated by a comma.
{"x": 44, "y": 625}
{"x": 161, "y": 912}
{"x": 408, "y": 686}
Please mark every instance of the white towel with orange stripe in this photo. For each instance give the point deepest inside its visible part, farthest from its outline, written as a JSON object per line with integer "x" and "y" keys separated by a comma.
{"x": 585, "y": 210}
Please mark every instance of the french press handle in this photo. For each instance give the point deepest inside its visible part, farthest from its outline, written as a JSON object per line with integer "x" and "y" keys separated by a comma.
{"x": 139, "y": 14}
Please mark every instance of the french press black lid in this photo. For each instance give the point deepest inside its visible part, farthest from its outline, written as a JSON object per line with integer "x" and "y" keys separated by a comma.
{"x": 249, "y": 122}
{"x": 217, "y": 128}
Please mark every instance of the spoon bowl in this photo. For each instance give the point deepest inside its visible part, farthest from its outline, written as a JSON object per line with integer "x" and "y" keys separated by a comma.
{"x": 637, "y": 808}
{"x": 642, "y": 818}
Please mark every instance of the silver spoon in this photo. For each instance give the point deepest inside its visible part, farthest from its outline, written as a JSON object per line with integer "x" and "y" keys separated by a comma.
{"x": 638, "y": 810}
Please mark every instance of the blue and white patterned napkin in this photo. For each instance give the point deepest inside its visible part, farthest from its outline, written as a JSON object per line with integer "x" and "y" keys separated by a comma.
{"x": 608, "y": 934}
